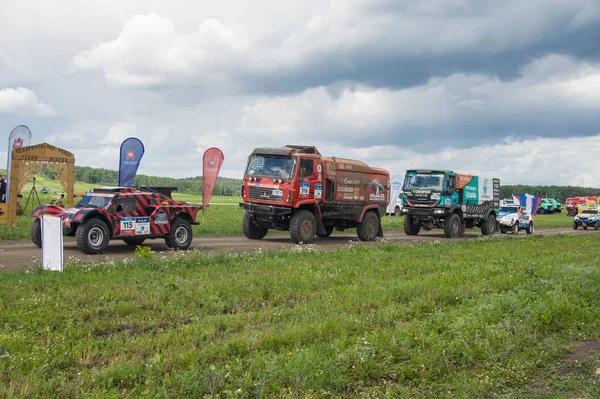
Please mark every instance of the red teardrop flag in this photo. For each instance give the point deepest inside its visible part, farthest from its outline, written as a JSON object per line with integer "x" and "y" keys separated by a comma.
{"x": 211, "y": 164}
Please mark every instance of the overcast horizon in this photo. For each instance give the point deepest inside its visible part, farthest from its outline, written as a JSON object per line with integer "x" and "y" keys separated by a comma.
{"x": 501, "y": 89}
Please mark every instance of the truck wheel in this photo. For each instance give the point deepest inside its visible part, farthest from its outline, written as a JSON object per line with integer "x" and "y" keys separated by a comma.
{"x": 411, "y": 228}
{"x": 541, "y": 211}
{"x": 134, "y": 241}
{"x": 575, "y": 225}
{"x": 368, "y": 228}
{"x": 251, "y": 230}
{"x": 35, "y": 231}
{"x": 596, "y": 225}
{"x": 452, "y": 226}
{"x": 489, "y": 226}
{"x": 515, "y": 228}
{"x": 530, "y": 229}
{"x": 571, "y": 213}
{"x": 92, "y": 236}
{"x": 303, "y": 227}
{"x": 397, "y": 211}
{"x": 328, "y": 231}
{"x": 180, "y": 236}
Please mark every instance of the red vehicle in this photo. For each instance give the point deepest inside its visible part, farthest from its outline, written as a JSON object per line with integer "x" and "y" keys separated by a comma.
{"x": 574, "y": 203}
{"x": 132, "y": 214}
{"x": 296, "y": 189}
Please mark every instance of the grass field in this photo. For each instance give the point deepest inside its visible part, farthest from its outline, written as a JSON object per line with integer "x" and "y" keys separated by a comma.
{"x": 222, "y": 218}
{"x": 460, "y": 319}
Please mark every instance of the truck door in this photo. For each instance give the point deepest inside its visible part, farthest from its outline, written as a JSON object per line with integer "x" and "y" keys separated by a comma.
{"x": 311, "y": 176}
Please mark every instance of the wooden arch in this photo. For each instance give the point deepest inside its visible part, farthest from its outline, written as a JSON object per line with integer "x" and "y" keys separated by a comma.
{"x": 29, "y": 161}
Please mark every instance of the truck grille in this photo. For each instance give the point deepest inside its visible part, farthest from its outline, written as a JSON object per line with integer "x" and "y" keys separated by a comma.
{"x": 422, "y": 202}
{"x": 264, "y": 194}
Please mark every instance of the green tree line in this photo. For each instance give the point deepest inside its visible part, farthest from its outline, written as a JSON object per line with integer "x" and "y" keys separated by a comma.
{"x": 100, "y": 176}
{"x": 560, "y": 193}
{"x": 232, "y": 187}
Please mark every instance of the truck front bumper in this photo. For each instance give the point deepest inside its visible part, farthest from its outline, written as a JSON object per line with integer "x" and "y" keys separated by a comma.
{"x": 421, "y": 212}
{"x": 272, "y": 210}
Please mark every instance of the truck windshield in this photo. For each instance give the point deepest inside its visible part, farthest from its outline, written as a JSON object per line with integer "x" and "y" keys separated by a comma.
{"x": 424, "y": 182}
{"x": 270, "y": 166}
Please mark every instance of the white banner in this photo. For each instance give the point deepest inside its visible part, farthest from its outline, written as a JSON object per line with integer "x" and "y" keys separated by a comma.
{"x": 396, "y": 183}
{"x": 52, "y": 243}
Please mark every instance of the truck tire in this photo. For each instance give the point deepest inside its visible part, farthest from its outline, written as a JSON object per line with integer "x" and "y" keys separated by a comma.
{"x": 489, "y": 226}
{"x": 530, "y": 229}
{"x": 452, "y": 226}
{"x": 180, "y": 236}
{"x": 596, "y": 225}
{"x": 35, "y": 232}
{"x": 92, "y": 236}
{"x": 328, "y": 231}
{"x": 541, "y": 211}
{"x": 410, "y": 227}
{"x": 368, "y": 228}
{"x": 397, "y": 211}
{"x": 303, "y": 227}
{"x": 575, "y": 225}
{"x": 134, "y": 241}
{"x": 251, "y": 230}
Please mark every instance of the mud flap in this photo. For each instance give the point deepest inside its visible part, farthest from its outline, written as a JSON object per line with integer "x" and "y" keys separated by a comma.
{"x": 320, "y": 225}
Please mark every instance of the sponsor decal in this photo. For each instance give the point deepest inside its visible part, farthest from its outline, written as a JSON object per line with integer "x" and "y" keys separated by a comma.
{"x": 304, "y": 189}
{"x": 277, "y": 192}
{"x": 361, "y": 198}
{"x": 318, "y": 191}
{"x": 356, "y": 192}
{"x": 350, "y": 182}
{"x": 346, "y": 189}
{"x": 378, "y": 191}
{"x": 319, "y": 168}
{"x": 130, "y": 154}
{"x": 319, "y": 178}
{"x": 142, "y": 225}
{"x": 485, "y": 186}
{"x": 18, "y": 143}
{"x": 348, "y": 196}
{"x": 161, "y": 218}
{"x": 127, "y": 226}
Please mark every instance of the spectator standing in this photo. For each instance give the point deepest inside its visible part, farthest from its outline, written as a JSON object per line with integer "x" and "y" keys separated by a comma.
{"x": 2, "y": 189}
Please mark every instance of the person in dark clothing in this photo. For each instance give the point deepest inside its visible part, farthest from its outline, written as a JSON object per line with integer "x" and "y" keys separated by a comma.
{"x": 2, "y": 189}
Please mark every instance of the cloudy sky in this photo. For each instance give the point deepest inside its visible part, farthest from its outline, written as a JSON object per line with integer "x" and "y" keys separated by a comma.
{"x": 509, "y": 89}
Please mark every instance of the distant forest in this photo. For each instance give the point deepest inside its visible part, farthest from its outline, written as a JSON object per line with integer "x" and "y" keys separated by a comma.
{"x": 560, "y": 193}
{"x": 224, "y": 186}
{"x": 232, "y": 187}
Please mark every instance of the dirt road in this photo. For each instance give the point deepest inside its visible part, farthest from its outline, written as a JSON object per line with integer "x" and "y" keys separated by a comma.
{"x": 18, "y": 255}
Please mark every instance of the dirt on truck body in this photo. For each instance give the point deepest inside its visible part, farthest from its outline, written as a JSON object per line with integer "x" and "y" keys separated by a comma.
{"x": 295, "y": 188}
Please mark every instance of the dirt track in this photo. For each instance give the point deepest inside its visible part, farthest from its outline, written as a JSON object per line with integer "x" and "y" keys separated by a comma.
{"x": 17, "y": 255}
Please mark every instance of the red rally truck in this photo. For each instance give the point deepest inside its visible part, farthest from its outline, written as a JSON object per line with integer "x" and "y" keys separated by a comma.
{"x": 295, "y": 188}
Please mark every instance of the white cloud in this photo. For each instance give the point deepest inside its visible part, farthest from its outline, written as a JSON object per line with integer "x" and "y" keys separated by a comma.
{"x": 153, "y": 50}
{"x": 23, "y": 101}
{"x": 534, "y": 161}
{"x": 444, "y": 105}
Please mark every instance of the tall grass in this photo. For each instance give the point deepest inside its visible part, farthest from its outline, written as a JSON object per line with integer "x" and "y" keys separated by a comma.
{"x": 464, "y": 319}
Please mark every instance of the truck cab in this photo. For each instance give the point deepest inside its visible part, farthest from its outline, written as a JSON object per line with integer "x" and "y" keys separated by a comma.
{"x": 296, "y": 189}
{"x": 448, "y": 200}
